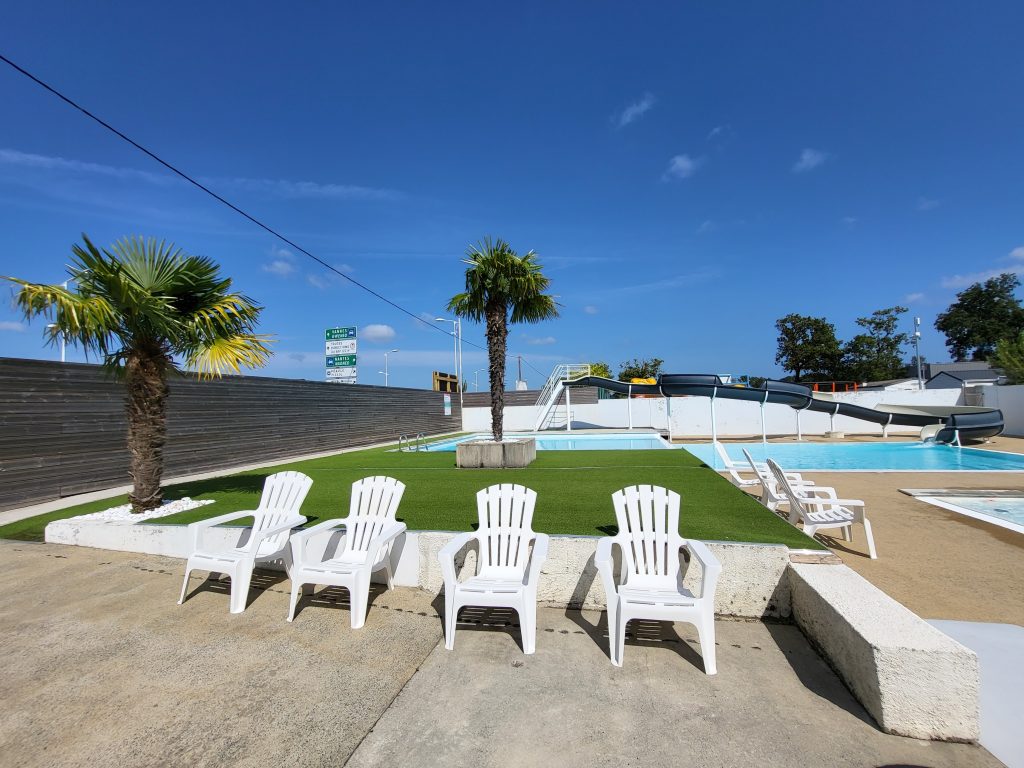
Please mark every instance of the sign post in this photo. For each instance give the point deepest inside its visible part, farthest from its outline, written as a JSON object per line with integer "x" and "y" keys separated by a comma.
{"x": 340, "y": 350}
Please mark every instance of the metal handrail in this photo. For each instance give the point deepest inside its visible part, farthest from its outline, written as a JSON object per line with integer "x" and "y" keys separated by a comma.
{"x": 402, "y": 439}
{"x": 419, "y": 441}
{"x": 549, "y": 394}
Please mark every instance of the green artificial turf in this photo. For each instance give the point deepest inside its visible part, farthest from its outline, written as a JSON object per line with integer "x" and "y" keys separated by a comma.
{"x": 573, "y": 494}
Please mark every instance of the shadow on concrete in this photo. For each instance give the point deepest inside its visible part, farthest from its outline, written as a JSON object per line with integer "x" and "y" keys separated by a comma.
{"x": 812, "y": 671}
{"x": 482, "y": 619}
{"x": 220, "y": 584}
{"x": 335, "y": 598}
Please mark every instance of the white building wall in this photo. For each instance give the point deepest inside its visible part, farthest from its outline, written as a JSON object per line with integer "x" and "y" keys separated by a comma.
{"x": 1010, "y": 400}
{"x": 691, "y": 416}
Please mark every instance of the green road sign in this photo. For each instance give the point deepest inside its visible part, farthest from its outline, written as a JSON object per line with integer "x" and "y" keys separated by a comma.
{"x": 341, "y": 361}
{"x": 333, "y": 334}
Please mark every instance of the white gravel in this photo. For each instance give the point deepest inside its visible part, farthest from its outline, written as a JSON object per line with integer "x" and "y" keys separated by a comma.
{"x": 123, "y": 513}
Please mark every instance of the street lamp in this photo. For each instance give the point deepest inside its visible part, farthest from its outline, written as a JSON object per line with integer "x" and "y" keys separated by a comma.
{"x": 63, "y": 341}
{"x": 457, "y": 334}
{"x": 476, "y": 379}
{"x": 917, "y": 351}
{"x": 385, "y": 371}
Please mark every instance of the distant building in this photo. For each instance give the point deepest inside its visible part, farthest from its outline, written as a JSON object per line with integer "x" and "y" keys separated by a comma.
{"x": 959, "y": 375}
{"x": 889, "y": 385}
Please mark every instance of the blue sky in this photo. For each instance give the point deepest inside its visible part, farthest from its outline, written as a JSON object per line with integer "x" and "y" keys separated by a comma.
{"x": 687, "y": 172}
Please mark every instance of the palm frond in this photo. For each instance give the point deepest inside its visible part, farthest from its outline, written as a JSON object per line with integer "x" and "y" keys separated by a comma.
{"x": 229, "y": 354}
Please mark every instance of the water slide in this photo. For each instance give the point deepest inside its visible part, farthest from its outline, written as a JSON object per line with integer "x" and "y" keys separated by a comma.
{"x": 944, "y": 424}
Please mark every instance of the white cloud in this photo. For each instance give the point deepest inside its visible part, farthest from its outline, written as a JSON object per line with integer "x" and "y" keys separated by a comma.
{"x": 681, "y": 167}
{"x": 323, "y": 283}
{"x": 634, "y": 111}
{"x": 720, "y": 132}
{"x": 927, "y": 204}
{"x": 282, "y": 262}
{"x": 541, "y": 341}
{"x": 962, "y": 281}
{"x": 706, "y": 227}
{"x": 809, "y": 160}
{"x": 10, "y": 325}
{"x": 272, "y": 187}
{"x": 850, "y": 221}
{"x": 377, "y": 333}
{"x": 913, "y": 298}
{"x": 590, "y": 309}
{"x": 1017, "y": 253}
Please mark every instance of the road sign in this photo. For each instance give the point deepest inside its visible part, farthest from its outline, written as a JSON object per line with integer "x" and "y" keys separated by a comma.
{"x": 346, "y": 375}
{"x": 341, "y": 361}
{"x": 335, "y": 334}
{"x": 341, "y": 347}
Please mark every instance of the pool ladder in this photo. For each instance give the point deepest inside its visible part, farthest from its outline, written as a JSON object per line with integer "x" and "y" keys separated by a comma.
{"x": 405, "y": 443}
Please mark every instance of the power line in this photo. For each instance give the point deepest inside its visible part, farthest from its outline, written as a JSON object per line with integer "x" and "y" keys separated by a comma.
{"x": 217, "y": 197}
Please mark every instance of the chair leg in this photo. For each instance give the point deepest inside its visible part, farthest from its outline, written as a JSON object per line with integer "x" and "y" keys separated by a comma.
{"x": 358, "y": 597}
{"x": 389, "y": 572}
{"x": 619, "y": 643}
{"x": 528, "y": 626}
{"x": 184, "y": 586}
{"x": 871, "y": 540}
{"x": 450, "y": 611}
{"x": 297, "y": 587}
{"x": 240, "y": 581}
{"x": 706, "y": 635}
{"x": 848, "y": 533}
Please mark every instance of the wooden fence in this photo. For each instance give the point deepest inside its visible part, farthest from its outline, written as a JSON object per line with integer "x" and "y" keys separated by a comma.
{"x": 62, "y": 425}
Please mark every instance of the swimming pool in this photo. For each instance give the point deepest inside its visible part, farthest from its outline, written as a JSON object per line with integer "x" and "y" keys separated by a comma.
{"x": 914, "y": 457}
{"x": 999, "y": 508}
{"x": 570, "y": 442}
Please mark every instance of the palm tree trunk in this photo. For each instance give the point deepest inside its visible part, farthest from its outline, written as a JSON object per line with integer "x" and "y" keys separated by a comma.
{"x": 497, "y": 344}
{"x": 146, "y": 408}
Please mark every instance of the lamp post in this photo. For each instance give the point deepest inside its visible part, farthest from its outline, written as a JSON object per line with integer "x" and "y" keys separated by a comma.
{"x": 917, "y": 351}
{"x": 476, "y": 378}
{"x": 63, "y": 342}
{"x": 457, "y": 336}
{"x": 385, "y": 371}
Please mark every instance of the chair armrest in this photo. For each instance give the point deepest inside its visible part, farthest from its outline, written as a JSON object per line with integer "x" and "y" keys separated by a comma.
{"x": 709, "y": 564}
{"x": 384, "y": 539}
{"x": 195, "y": 528}
{"x": 537, "y": 558}
{"x": 298, "y": 540}
{"x": 831, "y": 501}
{"x": 258, "y": 536}
{"x": 447, "y": 556}
{"x": 606, "y": 565}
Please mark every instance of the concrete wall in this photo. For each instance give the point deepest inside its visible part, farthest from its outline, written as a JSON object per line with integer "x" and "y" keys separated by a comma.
{"x": 691, "y": 416}
{"x": 914, "y": 680}
{"x": 1009, "y": 399}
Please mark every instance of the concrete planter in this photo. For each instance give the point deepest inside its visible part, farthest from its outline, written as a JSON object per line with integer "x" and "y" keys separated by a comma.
{"x": 488, "y": 454}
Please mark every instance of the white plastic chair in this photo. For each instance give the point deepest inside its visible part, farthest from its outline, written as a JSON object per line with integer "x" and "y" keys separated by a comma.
{"x": 734, "y": 469}
{"x": 771, "y": 495}
{"x": 277, "y": 514}
{"x": 650, "y": 585}
{"x": 818, "y": 507}
{"x": 370, "y": 533}
{"x": 506, "y": 570}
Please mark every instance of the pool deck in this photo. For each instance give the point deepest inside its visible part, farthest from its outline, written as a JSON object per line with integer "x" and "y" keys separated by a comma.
{"x": 940, "y": 564}
{"x": 102, "y": 668}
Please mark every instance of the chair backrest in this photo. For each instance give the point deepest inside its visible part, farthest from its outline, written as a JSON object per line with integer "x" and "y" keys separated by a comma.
{"x": 283, "y": 494}
{"x": 648, "y": 518}
{"x": 506, "y": 516}
{"x": 727, "y": 463}
{"x": 764, "y": 477}
{"x": 372, "y": 508}
{"x": 796, "y": 506}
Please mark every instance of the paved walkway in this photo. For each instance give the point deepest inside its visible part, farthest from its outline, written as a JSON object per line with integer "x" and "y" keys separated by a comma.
{"x": 103, "y": 669}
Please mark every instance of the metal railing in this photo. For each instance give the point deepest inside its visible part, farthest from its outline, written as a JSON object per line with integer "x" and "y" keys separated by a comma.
{"x": 553, "y": 387}
{"x": 406, "y": 444}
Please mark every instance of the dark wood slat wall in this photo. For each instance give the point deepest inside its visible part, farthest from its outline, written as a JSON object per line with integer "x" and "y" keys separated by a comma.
{"x": 580, "y": 396}
{"x": 62, "y": 425}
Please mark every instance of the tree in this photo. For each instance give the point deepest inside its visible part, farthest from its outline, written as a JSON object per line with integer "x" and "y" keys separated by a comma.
{"x": 807, "y": 345}
{"x": 982, "y": 315}
{"x": 601, "y": 369}
{"x": 640, "y": 369}
{"x": 1009, "y": 357}
{"x": 141, "y": 305}
{"x": 502, "y": 287}
{"x": 876, "y": 355}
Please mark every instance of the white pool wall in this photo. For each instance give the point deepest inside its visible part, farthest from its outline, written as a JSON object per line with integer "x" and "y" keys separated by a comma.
{"x": 691, "y": 416}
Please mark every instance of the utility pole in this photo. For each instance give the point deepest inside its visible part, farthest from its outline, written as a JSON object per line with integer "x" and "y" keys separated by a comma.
{"x": 917, "y": 351}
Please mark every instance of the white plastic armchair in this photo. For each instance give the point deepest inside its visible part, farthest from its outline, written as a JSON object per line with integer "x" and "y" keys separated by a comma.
{"x": 507, "y": 570}
{"x": 277, "y": 514}
{"x": 734, "y": 469}
{"x": 370, "y": 534}
{"x": 771, "y": 495}
{"x": 818, "y": 507}
{"x": 650, "y": 585}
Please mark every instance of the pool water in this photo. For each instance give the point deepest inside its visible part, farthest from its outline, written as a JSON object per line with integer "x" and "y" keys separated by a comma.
{"x": 1004, "y": 511}
{"x": 914, "y": 457}
{"x": 570, "y": 442}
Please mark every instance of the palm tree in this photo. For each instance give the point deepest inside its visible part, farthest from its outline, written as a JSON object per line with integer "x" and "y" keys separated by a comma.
{"x": 142, "y": 306}
{"x": 502, "y": 287}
